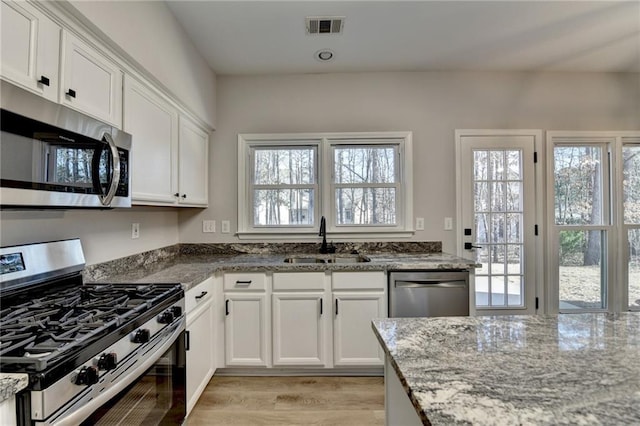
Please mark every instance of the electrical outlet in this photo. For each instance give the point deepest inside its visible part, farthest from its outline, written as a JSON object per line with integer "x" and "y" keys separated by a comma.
{"x": 419, "y": 223}
{"x": 226, "y": 227}
{"x": 208, "y": 226}
{"x": 135, "y": 231}
{"x": 448, "y": 223}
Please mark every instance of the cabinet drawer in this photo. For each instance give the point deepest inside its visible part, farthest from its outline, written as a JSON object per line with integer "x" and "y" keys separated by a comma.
{"x": 198, "y": 295}
{"x": 245, "y": 281}
{"x": 298, "y": 281}
{"x": 374, "y": 280}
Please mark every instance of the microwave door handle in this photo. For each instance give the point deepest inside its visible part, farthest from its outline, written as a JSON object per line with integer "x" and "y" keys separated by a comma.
{"x": 115, "y": 176}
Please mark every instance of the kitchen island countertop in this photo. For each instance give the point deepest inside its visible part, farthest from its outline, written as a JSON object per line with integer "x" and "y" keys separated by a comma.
{"x": 193, "y": 269}
{"x": 527, "y": 370}
{"x": 12, "y": 383}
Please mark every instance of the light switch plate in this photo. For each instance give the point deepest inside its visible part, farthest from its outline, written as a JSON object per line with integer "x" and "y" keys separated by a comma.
{"x": 226, "y": 227}
{"x": 135, "y": 231}
{"x": 419, "y": 223}
{"x": 208, "y": 226}
{"x": 448, "y": 223}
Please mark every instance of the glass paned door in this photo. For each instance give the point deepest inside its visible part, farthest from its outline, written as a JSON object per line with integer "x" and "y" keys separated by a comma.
{"x": 581, "y": 223}
{"x": 498, "y": 211}
{"x": 631, "y": 213}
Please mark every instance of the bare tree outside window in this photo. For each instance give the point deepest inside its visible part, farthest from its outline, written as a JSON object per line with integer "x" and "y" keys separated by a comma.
{"x": 365, "y": 179}
{"x": 283, "y": 182}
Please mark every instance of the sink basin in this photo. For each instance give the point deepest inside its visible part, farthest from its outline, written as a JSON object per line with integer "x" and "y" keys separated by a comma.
{"x": 332, "y": 259}
{"x": 305, "y": 260}
{"x": 348, "y": 259}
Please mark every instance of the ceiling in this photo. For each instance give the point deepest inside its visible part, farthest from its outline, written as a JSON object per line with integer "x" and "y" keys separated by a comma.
{"x": 269, "y": 37}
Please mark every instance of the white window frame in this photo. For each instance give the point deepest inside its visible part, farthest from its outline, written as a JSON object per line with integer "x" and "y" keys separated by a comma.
{"x": 324, "y": 203}
{"x": 613, "y": 224}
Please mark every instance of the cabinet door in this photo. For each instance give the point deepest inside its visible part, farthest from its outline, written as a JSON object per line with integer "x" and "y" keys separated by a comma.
{"x": 194, "y": 164}
{"x": 30, "y": 49}
{"x": 298, "y": 328}
{"x": 353, "y": 340}
{"x": 91, "y": 83}
{"x": 245, "y": 329}
{"x": 199, "y": 353}
{"x": 153, "y": 123}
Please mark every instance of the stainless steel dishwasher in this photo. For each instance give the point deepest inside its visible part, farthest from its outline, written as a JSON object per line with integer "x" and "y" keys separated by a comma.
{"x": 429, "y": 293}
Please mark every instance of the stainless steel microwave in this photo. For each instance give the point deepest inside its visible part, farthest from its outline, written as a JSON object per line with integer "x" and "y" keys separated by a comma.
{"x": 53, "y": 156}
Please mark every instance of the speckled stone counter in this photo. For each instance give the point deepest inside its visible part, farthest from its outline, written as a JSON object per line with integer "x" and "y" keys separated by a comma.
{"x": 518, "y": 370}
{"x": 11, "y": 383}
{"x": 194, "y": 265}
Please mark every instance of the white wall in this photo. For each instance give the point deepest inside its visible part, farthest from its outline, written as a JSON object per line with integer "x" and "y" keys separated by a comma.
{"x": 105, "y": 234}
{"x": 431, "y": 104}
{"x": 149, "y": 33}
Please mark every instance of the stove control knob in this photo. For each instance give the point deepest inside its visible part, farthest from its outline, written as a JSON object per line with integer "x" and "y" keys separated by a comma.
{"x": 177, "y": 311}
{"x": 86, "y": 376}
{"x": 166, "y": 317}
{"x": 141, "y": 336}
{"x": 108, "y": 361}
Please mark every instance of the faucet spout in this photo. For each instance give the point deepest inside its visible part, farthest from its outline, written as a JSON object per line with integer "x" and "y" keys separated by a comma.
{"x": 323, "y": 234}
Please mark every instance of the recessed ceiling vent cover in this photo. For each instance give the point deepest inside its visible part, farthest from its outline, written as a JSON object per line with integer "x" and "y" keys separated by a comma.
{"x": 324, "y": 24}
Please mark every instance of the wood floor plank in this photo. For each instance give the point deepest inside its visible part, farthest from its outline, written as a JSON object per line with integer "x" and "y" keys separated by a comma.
{"x": 284, "y": 418}
{"x": 271, "y": 401}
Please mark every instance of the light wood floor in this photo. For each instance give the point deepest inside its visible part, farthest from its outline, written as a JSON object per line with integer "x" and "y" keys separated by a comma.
{"x": 290, "y": 401}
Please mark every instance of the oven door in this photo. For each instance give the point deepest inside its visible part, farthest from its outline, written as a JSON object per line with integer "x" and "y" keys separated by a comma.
{"x": 148, "y": 388}
{"x": 155, "y": 398}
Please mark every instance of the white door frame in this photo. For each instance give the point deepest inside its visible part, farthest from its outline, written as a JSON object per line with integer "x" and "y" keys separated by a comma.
{"x": 540, "y": 200}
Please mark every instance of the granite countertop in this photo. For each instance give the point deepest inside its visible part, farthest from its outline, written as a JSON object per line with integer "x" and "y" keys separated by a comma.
{"x": 12, "y": 383}
{"x": 527, "y": 370}
{"x": 193, "y": 269}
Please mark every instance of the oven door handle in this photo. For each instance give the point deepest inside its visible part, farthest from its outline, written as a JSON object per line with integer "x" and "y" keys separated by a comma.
{"x": 78, "y": 416}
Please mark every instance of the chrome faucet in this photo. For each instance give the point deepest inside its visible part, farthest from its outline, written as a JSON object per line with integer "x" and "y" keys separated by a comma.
{"x": 323, "y": 234}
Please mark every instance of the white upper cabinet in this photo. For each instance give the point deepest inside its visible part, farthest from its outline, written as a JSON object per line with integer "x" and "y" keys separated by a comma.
{"x": 193, "y": 169}
{"x": 90, "y": 83}
{"x": 153, "y": 123}
{"x": 30, "y": 49}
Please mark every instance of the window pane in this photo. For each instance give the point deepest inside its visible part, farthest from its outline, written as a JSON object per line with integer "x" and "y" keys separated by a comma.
{"x": 365, "y": 164}
{"x": 276, "y": 207}
{"x": 514, "y": 165}
{"x": 634, "y": 268}
{"x": 582, "y": 281}
{"x": 631, "y": 183}
{"x": 366, "y": 206}
{"x": 578, "y": 185}
{"x": 284, "y": 165}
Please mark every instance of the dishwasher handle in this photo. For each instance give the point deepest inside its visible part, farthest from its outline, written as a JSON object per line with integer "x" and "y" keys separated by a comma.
{"x": 431, "y": 284}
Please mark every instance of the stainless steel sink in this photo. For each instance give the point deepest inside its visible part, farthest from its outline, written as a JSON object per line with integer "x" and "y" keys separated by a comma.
{"x": 332, "y": 259}
{"x": 305, "y": 260}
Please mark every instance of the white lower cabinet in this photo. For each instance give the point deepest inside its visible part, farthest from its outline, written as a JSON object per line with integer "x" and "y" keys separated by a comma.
{"x": 303, "y": 319}
{"x": 246, "y": 329}
{"x": 200, "y": 339}
{"x": 298, "y": 328}
{"x": 354, "y": 342}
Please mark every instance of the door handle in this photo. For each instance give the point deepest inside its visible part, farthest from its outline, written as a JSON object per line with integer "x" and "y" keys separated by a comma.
{"x": 470, "y": 246}
{"x": 320, "y": 306}
{"x": 226, "y": 307}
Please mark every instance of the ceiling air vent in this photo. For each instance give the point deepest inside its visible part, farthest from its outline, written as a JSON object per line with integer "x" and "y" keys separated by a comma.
{"x": 324, "y": 24}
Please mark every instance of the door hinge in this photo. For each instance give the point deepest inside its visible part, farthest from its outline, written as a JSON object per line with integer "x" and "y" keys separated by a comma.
{"x": 535, "y": 229}
{"x": 537, "y": 303}
{"x": 535, "y": 156}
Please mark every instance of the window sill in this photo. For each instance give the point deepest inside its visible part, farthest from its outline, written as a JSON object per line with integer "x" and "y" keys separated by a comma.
{"x": 314, "y": 237}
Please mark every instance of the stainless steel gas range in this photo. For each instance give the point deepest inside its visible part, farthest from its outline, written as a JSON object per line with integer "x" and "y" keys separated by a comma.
{"x": 94, "y": 354}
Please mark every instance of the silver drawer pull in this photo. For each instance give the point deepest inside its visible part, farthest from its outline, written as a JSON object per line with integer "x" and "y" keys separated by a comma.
{"x": 243, "y": 283}
{"x": 203, "y": 294}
